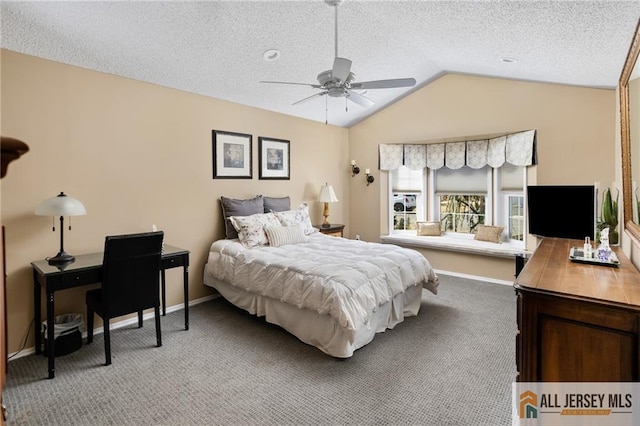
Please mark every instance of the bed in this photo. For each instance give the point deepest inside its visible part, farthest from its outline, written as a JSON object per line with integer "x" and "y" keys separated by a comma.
{"x": 329, "y": 292}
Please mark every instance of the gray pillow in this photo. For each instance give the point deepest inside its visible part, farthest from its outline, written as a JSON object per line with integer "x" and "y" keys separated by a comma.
{"x": 272, "y": 204}
{"x": 233, "y": 207}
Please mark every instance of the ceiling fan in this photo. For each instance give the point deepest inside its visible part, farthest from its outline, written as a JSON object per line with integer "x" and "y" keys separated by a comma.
{"x": 339, "y": 81}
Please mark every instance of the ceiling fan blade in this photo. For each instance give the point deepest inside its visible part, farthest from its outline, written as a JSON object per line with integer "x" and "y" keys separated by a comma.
{"x": 341, "y": 68}
{"x": 315, "y": 86}
{"x": 359, "y": 99}
{"x": 385, "y": 84}
{"x": 317, "y": 95}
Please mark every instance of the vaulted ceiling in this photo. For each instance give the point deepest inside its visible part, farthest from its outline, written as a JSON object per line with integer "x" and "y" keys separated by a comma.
{"x": 216, "y": 48}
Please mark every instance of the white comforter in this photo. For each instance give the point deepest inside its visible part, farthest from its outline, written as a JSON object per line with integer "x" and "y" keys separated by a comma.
{"x": 344, "y": 278}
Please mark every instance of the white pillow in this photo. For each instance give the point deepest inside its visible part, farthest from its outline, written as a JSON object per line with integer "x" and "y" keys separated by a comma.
{"x": 251, "y": 228}
{"x": 283, "y": 235}
{"x": 299, "y": 216}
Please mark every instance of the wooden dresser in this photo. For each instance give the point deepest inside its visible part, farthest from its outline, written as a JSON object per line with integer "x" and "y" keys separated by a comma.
{"x": 577, "y": 322}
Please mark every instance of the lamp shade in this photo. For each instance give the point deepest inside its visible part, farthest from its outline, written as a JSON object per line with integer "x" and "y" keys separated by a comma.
{"x": 61, "y": 205}
{"x": 327, "y": 195}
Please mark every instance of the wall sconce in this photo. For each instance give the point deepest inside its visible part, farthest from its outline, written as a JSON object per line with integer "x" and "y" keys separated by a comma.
{"x": 370, "y": 178}
{"x": 354, "y": 169}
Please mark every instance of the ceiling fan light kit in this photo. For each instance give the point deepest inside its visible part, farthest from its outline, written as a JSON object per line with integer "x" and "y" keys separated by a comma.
{"x": 338, "y": 82}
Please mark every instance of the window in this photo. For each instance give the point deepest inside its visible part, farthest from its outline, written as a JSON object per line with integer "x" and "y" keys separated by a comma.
{"x": 515, "y": 217}
{"x": 511, "y": 182}
{"x": 462, "y": 196}
{"x": 461, "y": 213}
{"x": 406, "y": 198}
{"x": 460, "y": 199}
{"x": 460, "y": 183}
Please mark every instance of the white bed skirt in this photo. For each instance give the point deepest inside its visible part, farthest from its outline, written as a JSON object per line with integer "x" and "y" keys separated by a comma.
{"x": 323, "y": 331}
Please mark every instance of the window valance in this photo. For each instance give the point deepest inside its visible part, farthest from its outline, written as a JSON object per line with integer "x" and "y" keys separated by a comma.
{"x": 518, "y": 149}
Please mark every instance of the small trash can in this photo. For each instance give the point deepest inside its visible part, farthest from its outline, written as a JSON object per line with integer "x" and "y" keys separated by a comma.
{"x": 67, "y": 334}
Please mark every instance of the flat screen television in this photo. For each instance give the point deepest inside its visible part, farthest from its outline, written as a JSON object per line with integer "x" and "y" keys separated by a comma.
{"x": 562, "y": 211}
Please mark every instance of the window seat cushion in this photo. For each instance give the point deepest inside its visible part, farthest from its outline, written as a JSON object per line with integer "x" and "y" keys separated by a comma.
{"x": 457, "y": 243}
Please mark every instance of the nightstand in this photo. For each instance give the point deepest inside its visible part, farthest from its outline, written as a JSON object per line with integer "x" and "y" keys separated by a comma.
{"x": 335, "y": 229}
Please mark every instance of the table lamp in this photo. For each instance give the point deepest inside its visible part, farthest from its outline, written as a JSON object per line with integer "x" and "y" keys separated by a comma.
{"x": 61, "y": 205}
{"x": 327, "y": 195}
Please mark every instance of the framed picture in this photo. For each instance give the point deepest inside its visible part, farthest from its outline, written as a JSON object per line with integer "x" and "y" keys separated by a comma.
{"x": 274, "y": 158}
{"x": 231, "y": 155}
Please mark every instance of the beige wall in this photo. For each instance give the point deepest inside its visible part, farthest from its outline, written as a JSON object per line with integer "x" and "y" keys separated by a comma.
{"x": 135, "y": 154}
{"x": 575, "y": 135}
{"x": 499, "y": 268}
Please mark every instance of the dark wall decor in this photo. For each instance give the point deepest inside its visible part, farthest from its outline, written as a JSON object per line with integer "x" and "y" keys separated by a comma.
{"x": 274, "y": 158}
{"x": 231, "y": 155}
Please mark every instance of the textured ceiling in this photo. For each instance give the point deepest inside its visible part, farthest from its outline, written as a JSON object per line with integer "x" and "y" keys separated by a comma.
{"x": 215, "y": 48}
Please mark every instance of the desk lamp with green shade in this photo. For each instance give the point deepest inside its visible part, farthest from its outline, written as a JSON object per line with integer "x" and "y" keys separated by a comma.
{"x": 61, "y": 205}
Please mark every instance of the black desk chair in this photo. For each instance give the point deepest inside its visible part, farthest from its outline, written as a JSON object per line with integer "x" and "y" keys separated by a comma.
{"x": 130, "y": 282}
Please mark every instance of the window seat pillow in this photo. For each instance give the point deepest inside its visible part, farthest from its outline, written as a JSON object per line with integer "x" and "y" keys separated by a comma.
{"x": 492, "y": 234}
{"x": 429, "y": 229}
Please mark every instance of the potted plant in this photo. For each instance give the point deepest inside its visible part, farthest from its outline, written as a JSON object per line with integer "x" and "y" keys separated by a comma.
{"x": 610, "y": 215}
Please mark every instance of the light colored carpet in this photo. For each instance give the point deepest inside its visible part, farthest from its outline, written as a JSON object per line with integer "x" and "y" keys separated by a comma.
{"x": 453, "y": 364}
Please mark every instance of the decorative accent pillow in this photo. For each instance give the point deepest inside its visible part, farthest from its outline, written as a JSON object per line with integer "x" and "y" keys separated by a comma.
{"x": 282, "y": 235}
{"x": 298, "y": 216}
{"x": 272, "y": 204}
{"x": 489, "y": 233}
{"x": 251, "y": 228}
{"x": 233, "y": 207}
{"x": 431, "y": 229}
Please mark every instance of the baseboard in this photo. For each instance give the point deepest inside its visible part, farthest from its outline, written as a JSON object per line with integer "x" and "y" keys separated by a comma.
{"x": 474, "y": 277}
{"x": 120, "y": 324}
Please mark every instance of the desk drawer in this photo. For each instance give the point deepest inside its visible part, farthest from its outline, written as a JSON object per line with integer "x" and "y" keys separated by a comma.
{"x": 172, "y": 262}
{"x": 78, "y": 278}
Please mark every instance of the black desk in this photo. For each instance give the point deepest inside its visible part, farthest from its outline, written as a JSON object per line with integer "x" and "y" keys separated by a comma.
{"x": 87, "y": 269}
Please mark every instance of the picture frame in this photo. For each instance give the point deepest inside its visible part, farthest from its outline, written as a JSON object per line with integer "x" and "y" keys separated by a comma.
{"x": 232, "y": 155}
{"x": 274, "y": 158}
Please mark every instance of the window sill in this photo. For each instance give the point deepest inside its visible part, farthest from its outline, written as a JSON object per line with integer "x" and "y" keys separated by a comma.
{"x": 462, "y": 244}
